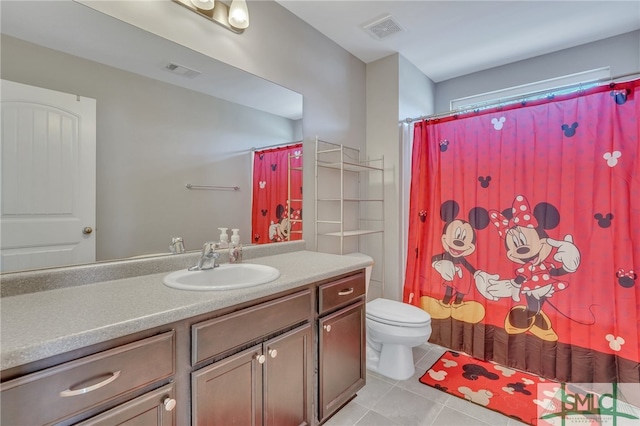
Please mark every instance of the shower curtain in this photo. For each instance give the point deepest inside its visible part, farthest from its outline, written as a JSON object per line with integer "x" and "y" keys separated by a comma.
{"x": 275, "y": 217}
{"x": 524, "y": 234}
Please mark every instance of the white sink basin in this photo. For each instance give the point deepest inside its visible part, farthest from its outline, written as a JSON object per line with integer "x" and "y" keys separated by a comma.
{"x": 224, "y": 277}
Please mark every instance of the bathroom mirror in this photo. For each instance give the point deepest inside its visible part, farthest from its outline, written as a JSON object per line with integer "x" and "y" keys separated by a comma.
{"x": 167, "y": 117}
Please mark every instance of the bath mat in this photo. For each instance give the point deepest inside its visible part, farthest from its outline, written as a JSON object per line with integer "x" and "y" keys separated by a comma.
{"x": 505, "y": 390}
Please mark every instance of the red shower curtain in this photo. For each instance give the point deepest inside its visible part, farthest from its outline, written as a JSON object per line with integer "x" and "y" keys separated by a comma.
{"x": 275, "y": 217}
{"x": 524, "y": 235}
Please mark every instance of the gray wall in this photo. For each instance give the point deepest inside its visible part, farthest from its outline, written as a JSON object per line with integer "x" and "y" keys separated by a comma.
{"x": 152, "y": 139}
{"x": 621, "y": 53}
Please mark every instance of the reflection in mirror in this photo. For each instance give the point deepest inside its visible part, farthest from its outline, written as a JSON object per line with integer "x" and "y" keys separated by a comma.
{"x": 156, "y": 131}
{"x": 277, "y": 195}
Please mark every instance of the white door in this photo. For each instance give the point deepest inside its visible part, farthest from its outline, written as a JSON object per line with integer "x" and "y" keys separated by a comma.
{"x": 48, "y": 188}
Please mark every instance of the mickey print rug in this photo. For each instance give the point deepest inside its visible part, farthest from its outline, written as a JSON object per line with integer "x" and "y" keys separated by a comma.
{"x": 505, "y": 390}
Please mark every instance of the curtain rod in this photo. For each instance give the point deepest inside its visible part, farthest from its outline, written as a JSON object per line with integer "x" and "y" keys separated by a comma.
{"x": 523, "y": 96}
{"x": 277, "y": 145}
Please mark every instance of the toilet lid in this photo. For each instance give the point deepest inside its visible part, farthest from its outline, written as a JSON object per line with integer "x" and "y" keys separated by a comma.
{"x": 397, "y": 313}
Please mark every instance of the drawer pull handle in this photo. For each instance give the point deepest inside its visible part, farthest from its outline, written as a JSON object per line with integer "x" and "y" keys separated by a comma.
{"x": 345, "y": 292}
{"x": 273, "y": 353}
{"x": 327, "y": 328}
{"x": 169, "y": 403}
{"x": 88, "y": 389}
{"x": 260, "y": 358}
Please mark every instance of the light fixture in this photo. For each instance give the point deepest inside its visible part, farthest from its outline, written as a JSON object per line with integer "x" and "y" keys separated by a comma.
{"x": 235, "y": 18}
{"x": 203, "y": 4}
{"x": 238, "y": 14}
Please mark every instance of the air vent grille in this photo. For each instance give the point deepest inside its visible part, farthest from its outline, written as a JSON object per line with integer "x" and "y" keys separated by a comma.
{"x": 181, "y": 70}
{"x": 382, "y": 27}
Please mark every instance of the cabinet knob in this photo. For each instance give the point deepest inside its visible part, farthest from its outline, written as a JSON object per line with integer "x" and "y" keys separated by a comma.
{"x": 273, "y": 353}
{"x": 169, "y": 403}
{"x": 327, "y": 328}
{"x": 260, "y": 358}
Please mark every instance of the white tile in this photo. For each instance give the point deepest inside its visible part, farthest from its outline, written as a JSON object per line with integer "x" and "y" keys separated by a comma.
{"x": 372, "y": 392}
{"x": 414, "y": 385}
{"x": 349, "y": 415}
{"x": 428, "y": 360}
{"x": 375, "y": 419}
{"x": 380, "y": 377}
{"x": 450, "y": 417}
{"x": 407, "y": 409}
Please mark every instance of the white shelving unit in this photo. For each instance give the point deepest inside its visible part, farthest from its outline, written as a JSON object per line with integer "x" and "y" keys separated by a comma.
{"x": 349, "y": 203}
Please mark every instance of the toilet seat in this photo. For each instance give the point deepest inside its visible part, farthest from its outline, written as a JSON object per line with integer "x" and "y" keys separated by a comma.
{"x": 395, "y": 313}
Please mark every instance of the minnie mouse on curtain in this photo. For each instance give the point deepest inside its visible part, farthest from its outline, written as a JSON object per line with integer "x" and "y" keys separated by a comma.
{"x": 274, "y": 216}
{"x": 524, "y": 234}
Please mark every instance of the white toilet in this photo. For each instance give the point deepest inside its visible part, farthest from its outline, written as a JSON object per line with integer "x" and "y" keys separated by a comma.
{"x": 393, "y": 329}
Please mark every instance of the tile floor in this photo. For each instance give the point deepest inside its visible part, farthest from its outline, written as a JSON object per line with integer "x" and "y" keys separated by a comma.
{"x": 388, "y": 402}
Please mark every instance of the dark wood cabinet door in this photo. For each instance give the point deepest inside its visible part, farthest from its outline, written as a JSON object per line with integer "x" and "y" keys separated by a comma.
{"x": 288, "y": 373}
{"x": 342, "y": 368}
{"x": 155, "y": 408}
{"x": 229, "y": 392}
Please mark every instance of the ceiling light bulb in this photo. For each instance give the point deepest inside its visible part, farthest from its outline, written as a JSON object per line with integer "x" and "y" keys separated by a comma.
{"x": 203, "y": 4}
{"x": 239, "y": 14}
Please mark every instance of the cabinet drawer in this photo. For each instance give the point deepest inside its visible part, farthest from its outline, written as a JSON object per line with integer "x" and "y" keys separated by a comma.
{"x": 218, "y": 335}
{"x": 68, "y": 389}
{"x": 148, "y": 409}
{"x": 341, "y": 292}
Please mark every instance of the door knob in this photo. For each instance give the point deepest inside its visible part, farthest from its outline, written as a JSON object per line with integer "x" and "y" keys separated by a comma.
{"x": 87, "y": 230}
{"x": 327, "y": 328}
{"x": 260, "y": 358}
{"x": 273, "y": 353}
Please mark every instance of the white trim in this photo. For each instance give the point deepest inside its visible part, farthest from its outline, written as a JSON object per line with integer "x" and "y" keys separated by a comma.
{"x": 580, "y": 78}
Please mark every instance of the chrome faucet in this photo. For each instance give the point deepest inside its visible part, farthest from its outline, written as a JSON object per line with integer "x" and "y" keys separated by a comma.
{"x": 208, "y": 258}
{"x": 177, "y": 245}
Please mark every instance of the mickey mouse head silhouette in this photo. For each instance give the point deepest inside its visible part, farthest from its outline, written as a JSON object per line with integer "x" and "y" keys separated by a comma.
{"x": 444, "y": 144}
{"x": 422, "y": 215}
{"x": 603, "y": 221}
{"x": 569, "y": 130}
{"x": 615, "y": 343}
{"x": 262, "y": 184}
{"x": 484, "y": 181}
{"x": 273, "y": 167}
{"x": 498, "y": 123}
{"x": 612, "y": 157}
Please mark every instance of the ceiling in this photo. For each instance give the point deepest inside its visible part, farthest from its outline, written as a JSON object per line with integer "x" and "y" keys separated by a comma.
{"x": 448, "y": 39}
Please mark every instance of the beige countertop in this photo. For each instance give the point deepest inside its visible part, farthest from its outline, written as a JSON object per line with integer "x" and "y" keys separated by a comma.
{"x": 47, "y": 323}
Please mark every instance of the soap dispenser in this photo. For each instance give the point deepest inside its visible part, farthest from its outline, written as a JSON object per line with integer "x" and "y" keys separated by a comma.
{"x": 224, "y": 238}
{"x": 235, "y": 248}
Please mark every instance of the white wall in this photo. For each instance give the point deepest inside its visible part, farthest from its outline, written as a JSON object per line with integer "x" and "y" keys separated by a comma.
{"x": 282, "y": 48}
{"x": 395, "y": 89}
{"x": 621, "y": 53}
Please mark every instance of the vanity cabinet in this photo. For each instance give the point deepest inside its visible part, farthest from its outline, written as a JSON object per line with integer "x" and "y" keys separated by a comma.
{"x": 61, "y": 393}
{"x": 269, "y": 383}
{"x": 341, "y": 342}
{"x": 270, "y": 361}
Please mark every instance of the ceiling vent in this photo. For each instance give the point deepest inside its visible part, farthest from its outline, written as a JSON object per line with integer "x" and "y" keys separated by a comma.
{"x": 382, "y": 27}
{"x": 181, "y": 70}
